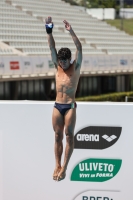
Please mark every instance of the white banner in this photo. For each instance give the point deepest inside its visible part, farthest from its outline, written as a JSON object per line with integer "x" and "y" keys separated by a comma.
{"x": 126, "y": 13}
{"x": 45, "y": 68}
{"x": 26, "y": 65}
{"x": 94, "y": 63}
{"x": 50, "y": 64}
{"x": 114, "y": 62}
{"x": 39, "y": 65}
{"x": 124, "y": 62}
{"x": 102, "y": 63}
{"x": 100, "y": 167}
{"x": 36, "y": 65}
{"x": 13, "y": 65}
{"x": 2, "y": 65}
{"x": 86, "y": 64}
{"x": 131, "y": 62}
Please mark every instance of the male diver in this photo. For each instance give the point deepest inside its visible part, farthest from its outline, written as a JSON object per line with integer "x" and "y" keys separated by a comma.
{"x": 64, "y": 111}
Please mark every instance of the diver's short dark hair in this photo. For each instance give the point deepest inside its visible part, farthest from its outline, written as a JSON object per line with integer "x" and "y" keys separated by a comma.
{"x": 64, "y": 53}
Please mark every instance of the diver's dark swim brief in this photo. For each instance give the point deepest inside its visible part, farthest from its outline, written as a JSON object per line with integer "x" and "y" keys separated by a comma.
{"x": 64, "y": 107}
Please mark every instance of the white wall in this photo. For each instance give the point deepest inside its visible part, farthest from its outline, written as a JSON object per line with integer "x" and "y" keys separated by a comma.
{"x": 27, "y": 152}
{"x": 100, "y": 13}
{"x": 127, "y": 13}
{"x": 109, "y": 13}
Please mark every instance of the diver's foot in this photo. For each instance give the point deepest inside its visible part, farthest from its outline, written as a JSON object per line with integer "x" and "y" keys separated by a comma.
{"x": 56, "y": 172}
{"x": 61, "y": 175}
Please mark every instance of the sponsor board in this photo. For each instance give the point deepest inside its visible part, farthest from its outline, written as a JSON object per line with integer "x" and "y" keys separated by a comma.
{"x": 2, "y": 65}
{"x": 2, "y": 68}
{"x": 114, "y": 62}
{"x": 14, "y": 65}
{"x": 41, "y": 65}
{"x": 86, "y": 63}
{"x": 107, "y": 61}
{"x": 96, "y": 137}
{"x": 101, "y": 62}
{"x": 131, "y": 62}
{"x": 96, "y": 170}
{"x": 27, "y": 63}
{"x": 123, "y": 62}
{"x": 51, "y": 64}
{"x": 94, "y": 62}
{"x": 27, "y": 69}
{"x": 98, "y": 195}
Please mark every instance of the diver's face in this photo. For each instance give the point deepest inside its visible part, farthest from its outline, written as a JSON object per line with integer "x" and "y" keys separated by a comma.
{"x": 64, "y": 63}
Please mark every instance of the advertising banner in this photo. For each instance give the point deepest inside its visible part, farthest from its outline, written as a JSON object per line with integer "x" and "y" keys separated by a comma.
{"x": 124, "y": 62}
{"x": 101, "y": 63}
{"x": 107, "y": 63}
{"x": 101, "y": 164}
{"x": 45, "y": 68}
{"x": 131, "y": 62}
{"x": 26, "y": 65}
{"x": 114, "y": 62}
{"x": 86, "y": 64}
{"x": 39, "y": 65}
{"x": 13, "y": 65}
{"x": 94, "y": 63}
{"x": 50, "y": 64}
{"x": 6, "y": 61}
{"x": 2, "y": 65}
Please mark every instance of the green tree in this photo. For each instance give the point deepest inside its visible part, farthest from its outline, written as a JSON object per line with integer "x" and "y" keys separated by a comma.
{"x": 101, "y": 3}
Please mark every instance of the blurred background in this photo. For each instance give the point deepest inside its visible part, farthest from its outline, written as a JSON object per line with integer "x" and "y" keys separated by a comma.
{"x": 105, "y": 29}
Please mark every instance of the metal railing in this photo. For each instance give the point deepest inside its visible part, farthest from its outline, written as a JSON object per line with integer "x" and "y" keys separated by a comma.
{"x": 126, "y": 98}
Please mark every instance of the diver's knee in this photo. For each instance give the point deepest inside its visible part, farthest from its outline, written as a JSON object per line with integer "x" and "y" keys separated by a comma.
{"x": 58, "y": 136}
{"x": 69, "y": 138}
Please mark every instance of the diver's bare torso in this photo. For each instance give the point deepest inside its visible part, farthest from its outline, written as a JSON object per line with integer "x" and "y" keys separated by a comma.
{"x": 66, "y": 84}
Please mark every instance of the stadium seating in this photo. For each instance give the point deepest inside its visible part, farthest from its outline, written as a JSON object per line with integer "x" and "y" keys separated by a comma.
{"x": 7, "y": 50}
{"x": 22, "y": 28}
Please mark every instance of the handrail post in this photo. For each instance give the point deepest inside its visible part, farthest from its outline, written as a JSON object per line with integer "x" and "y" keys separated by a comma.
{"x": 126, "y": 98}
